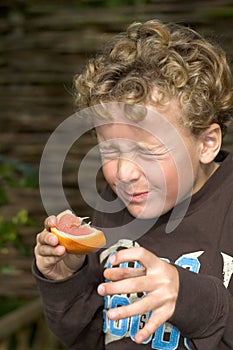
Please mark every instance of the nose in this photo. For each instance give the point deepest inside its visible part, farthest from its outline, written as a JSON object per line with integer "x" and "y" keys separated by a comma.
{"x": 127, "y": 170}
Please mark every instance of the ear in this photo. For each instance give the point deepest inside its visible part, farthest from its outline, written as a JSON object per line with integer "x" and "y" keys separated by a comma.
{"x": 211, "y": 141}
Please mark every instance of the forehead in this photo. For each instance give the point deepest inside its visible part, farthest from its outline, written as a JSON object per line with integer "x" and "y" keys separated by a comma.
{"x": 157, "y": 124}
{"x": 123, "y": 131}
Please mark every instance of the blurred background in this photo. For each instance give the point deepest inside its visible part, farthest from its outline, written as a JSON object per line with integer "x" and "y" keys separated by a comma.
{"x": 43, "y": 45}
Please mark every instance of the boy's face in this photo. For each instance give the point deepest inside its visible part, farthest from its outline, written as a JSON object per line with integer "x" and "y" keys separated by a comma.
{"x": 151, "y": 165}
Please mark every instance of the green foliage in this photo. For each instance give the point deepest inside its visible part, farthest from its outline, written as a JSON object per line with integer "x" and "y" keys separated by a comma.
{"x": 9, "y": 304}
{"x": 10, "y": 232}
{"x": 15, "y": 174}
{"x": 221, "y": 12}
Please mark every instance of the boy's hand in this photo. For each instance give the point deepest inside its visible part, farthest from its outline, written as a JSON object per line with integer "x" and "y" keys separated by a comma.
{"x": 51, "y": 258}
{"x": 159, "y": 279}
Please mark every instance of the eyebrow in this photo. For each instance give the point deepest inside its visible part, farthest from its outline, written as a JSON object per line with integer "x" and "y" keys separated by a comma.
{"x": 150, "y": 147}
{"x": 134, "y": 145}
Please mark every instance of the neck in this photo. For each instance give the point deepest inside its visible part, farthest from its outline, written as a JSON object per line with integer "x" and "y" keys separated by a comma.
{"x": 207, "y": 171}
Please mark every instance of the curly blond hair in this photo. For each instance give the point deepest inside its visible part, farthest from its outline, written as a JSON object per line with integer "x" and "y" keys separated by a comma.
{"x": 175, "y": 60}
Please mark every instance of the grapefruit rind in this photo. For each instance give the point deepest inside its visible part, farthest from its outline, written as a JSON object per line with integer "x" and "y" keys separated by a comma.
{"x": 83, "y": 244}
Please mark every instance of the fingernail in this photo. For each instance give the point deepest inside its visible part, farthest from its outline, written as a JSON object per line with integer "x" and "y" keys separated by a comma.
{"x": 101, "y": 289}
{"x": 59, "y": 250}
{"x": 112, "y": 314}
{"x": 139, "y": 338}
{"x": 112, "y": 259}
{"x": 52, "y": 239}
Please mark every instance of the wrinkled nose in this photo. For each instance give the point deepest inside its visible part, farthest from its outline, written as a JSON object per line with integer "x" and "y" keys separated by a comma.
{"x": 127, "y": 170}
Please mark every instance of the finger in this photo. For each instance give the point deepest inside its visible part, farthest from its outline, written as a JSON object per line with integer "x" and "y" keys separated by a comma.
{"x": 116, "y": 274}
{"x": 130, "y": 285}
{"x": 48, "y": 245}
{"x": 142, "y": 255}
{"x": 46, "y": 251}
{"x": 46, "y": 237}
{"x": 140, "y": 307}
{"x": 157, "y": 318}
{"x": 50, "y": 222}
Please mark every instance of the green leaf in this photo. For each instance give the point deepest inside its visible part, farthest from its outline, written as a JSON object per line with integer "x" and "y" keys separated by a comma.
{"x": 3, "y": 196}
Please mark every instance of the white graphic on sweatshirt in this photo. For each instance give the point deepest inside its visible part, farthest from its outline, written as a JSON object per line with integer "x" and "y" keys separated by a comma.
{"x": 227, "y": 268}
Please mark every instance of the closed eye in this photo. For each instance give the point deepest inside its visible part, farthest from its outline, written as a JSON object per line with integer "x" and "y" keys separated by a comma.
{"x": 153, "y": 153}
{"x": 109, "y": 153}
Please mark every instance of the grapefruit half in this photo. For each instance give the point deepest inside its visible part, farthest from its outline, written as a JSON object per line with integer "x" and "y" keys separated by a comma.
{"x": 75, "y": 236}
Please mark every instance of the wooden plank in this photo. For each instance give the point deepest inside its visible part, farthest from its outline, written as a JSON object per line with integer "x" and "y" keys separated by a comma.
{"x": 20, "y": 318}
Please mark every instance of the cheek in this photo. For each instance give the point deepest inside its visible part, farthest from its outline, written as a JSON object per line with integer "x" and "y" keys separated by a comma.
{"x": 162, "y": 175}
{"x": 172, "y": 179}
{"x": 179, "y": 180}
{"x": 165, "y": 176}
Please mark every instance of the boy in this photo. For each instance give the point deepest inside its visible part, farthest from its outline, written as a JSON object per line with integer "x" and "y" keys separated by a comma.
{"x": 162, "y": 98}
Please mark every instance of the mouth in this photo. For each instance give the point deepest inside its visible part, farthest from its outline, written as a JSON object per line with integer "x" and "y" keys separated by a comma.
{"x": 134, "y": 197}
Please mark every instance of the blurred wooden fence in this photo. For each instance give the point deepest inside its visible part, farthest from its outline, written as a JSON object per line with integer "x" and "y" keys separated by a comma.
{"x": 43, "y": 45}
{"x": 25, "y": 329}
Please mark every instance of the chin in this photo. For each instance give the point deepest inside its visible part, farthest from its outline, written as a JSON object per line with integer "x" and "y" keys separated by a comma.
{"x": 147, "y": 212}
{"x": 144, "y": 214}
